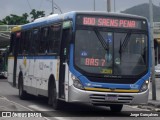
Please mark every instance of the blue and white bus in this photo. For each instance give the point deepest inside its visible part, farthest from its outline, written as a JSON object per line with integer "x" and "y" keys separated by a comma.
{"x": 88, "y": 57}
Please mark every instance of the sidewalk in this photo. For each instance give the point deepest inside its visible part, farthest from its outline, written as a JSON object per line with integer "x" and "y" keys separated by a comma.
{"x": 153, "y": 105}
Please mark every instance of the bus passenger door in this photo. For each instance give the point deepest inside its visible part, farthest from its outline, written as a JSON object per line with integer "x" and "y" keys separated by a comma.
{"x": 63, "y": 74}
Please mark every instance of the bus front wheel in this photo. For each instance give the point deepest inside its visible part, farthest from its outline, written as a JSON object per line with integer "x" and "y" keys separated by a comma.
{"x": 53, "y": 98}
{"x": 116, "y": 107}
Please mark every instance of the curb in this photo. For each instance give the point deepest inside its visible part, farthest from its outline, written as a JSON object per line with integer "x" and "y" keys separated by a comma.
{"x": 153, "y": 105}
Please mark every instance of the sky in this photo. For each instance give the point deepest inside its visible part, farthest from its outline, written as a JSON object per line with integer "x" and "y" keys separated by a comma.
{"x": 19, "y": 7}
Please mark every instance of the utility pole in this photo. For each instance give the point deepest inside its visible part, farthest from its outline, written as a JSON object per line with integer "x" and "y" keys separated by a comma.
{"x": 153, "y": 53}
{"x": 94, "y": 5}
{"x": 52, "y": 7}
{"x": 114, "y": 5}
{"x": 108, "y": 6}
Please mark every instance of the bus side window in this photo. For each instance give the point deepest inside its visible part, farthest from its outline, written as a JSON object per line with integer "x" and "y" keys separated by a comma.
{"x": 27, "y": 35}
{"x": 35, "y": 41}
{"x": 28, "y": 39}
{"x": 25, "y": 42}
{"x": 11, "y": 49}
{"x": 54, "y": 38}
{"x": 21, "y": 43}
{"x": 43, "y": 41}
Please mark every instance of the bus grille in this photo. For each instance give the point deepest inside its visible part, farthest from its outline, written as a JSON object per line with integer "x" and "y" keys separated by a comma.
{"x": 101, "y": 99}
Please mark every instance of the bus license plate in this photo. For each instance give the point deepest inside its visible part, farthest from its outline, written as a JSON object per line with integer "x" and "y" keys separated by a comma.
{"x": 111, "y": 98}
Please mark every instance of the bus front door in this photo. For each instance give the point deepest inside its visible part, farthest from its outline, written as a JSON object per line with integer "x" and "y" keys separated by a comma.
{"x": 63, "y": 73}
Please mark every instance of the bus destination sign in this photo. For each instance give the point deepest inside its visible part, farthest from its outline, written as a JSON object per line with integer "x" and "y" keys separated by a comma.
{"x": 109, "y": 22}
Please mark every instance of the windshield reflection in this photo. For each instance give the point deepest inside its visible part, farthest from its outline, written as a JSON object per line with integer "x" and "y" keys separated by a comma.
{"x": 126, "y": 53}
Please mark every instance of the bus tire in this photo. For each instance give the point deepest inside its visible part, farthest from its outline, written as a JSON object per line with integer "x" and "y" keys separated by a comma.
{"x": 22, "y": 93}
{"x": 116, "y": 107}
{"x": 53, "y": 98}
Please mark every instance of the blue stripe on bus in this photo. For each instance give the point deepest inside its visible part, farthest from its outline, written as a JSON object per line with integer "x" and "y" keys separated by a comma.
{"x": 71, "y": 66}
{"x": 38, "y": 57}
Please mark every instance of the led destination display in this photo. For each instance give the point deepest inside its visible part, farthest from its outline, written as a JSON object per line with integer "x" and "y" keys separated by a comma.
{"x": 110, "y": 22}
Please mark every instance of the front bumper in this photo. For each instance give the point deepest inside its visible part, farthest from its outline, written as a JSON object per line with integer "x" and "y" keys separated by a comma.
{"x": 77, "y": 95}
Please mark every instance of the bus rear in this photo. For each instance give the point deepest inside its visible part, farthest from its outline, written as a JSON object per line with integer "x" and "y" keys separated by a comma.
{"x": 109, "y": 60}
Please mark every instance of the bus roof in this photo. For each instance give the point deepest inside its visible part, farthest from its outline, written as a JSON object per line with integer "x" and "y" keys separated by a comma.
{"x": 70, "y": 15}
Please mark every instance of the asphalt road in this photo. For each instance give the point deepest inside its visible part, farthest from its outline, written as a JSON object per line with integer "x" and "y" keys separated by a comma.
{"x": 69, "y": 111}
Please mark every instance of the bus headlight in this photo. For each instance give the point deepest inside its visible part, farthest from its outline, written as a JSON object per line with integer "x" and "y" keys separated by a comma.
{"x": 77, "y": 83}
{"x": 144, "y": 86}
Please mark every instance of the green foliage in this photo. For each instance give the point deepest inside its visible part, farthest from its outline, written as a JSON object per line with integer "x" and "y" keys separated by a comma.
{"x": 1, "y": 23}
{"x": 36, "y": 14}
{"x": 13, "y": 19}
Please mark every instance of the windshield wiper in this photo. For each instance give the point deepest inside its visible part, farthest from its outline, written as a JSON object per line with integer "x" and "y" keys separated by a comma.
{"x": 125, "y": 42}
{"x": 103, "y": 42}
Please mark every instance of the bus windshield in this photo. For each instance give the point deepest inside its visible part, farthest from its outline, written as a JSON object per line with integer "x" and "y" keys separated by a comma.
{"x": 111, "y": 52}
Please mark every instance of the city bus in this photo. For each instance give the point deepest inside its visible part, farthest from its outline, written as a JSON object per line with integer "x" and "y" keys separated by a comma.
{"x": 82, "y": 57}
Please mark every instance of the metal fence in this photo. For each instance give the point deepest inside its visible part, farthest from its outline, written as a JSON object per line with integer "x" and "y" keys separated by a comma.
{"x": 6, "y": 28}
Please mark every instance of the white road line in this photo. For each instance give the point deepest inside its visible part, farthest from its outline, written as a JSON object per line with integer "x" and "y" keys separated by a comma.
{"x": 61, "y": 118}
{"x": 23, "y": 107}
{"x": 38, "y": 108}
{"x": 34, "y": 106}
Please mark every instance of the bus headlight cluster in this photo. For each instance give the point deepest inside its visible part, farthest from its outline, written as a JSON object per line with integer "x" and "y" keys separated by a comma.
{"x": 144, "y": 86}
{"x": 77, "y": 83}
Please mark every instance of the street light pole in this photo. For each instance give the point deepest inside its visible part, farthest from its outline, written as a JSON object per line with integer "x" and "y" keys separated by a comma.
{"x": 108, "y": 6}
{"x": 94, "y": 5}
{"x": 52, "y": 7}
{"x": 153, "y": 53}
{"x": 114, "y": 5}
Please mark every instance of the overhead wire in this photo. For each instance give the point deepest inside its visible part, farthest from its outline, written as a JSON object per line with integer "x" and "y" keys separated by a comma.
{"x": 57, "y": 6}
{"x": 29, "y": 4}
{"x": 40, "y": 6}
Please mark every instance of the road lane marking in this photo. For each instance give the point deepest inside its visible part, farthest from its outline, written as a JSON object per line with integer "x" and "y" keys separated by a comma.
{"x": 61, "y": 118}
{"x": 34, "y": 106}
{"x": 23, "y": 107}
{"x": 39, "y": 108}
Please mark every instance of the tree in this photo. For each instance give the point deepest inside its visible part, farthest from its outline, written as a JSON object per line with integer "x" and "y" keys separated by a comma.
{"x": 15, "y": 19}
{"x": 24, "y": 18}
{"x": 1, "y": 22}
{"x": 36, "y": 14}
